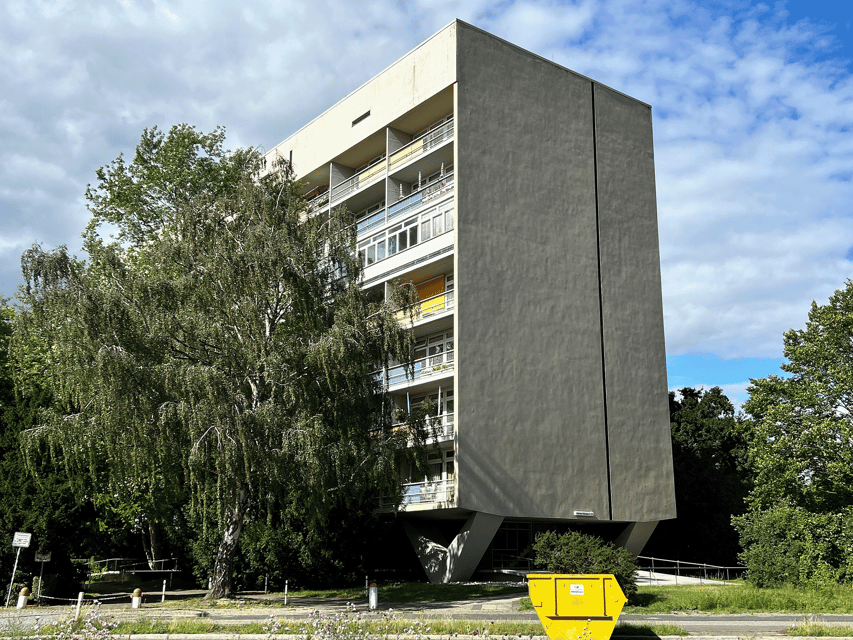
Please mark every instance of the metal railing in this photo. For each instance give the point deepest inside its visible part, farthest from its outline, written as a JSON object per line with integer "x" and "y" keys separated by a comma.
{"x": 425, "y": 492}
{"x": 439, "y": 428}
{"x": 421, "y": 368}
{"x": 700, "y": 570}
{"x": 428, "y": 306}
{"x": 425, "y": 194}
{"x": 353, "y": 183}
{"x": 315, "y": 203}
{"x": 370, "y": 222}
{"x": 421, "y": 144}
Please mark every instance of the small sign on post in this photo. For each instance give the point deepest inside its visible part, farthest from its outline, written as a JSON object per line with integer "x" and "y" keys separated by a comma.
{"x": 42, "y": 557}
{"x": 21, "y": 539}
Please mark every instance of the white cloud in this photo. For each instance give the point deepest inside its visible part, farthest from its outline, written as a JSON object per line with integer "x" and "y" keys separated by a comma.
{"x": 752, "y": 121}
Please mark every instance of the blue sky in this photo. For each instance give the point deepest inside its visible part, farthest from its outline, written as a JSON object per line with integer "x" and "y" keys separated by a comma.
{"x": 752, "y": 104}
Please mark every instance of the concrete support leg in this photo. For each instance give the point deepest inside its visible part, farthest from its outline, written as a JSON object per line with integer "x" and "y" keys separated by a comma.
{"x": 635, "y": 536}
{"x": 430, "y": 546}
{"x": 455, "y": 561}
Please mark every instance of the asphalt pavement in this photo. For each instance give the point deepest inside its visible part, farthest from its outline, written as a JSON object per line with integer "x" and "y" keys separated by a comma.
{"x": 258, "y": 607}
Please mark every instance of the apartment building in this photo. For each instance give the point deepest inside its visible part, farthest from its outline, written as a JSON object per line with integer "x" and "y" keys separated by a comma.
{"x": 518, "y": 198}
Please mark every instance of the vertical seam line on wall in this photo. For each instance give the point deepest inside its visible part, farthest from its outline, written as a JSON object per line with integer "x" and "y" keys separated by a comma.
{"x": 601, "y": 305}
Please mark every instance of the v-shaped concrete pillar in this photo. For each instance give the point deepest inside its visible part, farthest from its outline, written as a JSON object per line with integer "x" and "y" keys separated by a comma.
{"x": 457, "y": 560}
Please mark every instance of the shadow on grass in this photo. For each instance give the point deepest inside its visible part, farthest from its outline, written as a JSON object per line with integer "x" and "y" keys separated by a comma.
{"x": 633, "y": 632}
{"x": 644, "y": 599}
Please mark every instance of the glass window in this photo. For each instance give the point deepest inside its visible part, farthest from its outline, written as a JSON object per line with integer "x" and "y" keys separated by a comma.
{"x": 438, "y": 225}
{"x": 380, "y": 250}
{"x": 371, "y": 254}
{"x": 426, "y": 229}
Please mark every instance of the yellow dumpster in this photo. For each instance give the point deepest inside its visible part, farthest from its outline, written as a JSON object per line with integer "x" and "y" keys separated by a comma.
{"x": 574, "y": 607}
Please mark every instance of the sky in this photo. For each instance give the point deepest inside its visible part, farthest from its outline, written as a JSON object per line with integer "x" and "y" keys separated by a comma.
{"x": 752, "y": 110}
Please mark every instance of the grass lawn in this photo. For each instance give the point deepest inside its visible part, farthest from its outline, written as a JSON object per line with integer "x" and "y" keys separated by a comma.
{"x": 738, "y": 598}
{"x": 741, "y": 598}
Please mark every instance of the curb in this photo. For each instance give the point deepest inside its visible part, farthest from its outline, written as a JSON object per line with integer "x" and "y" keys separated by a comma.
{"x": 264, "y": 636}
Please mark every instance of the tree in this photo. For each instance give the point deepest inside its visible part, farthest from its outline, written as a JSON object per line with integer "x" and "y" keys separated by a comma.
{"x": 712, "y": 479}
{"x": 801, "y": 446}
{"x": 47, "y": 506}
{"x": 220, "y": 344}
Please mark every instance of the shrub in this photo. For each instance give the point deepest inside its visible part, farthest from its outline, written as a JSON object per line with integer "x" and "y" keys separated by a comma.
{"x": 575, "y": 552}
{"x": 788, "y": 544}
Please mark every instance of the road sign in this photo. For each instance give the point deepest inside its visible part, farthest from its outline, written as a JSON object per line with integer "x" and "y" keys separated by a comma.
{"x": 575, "y": 606}
{"x": 43, "y": 557}
{"x": 21, "y": 539}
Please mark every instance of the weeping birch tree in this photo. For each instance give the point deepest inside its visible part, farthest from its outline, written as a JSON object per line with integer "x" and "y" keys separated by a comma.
{"x": 217, "y": 344}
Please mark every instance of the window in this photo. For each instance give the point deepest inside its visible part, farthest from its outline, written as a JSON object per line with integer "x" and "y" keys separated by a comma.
{"x": 420, "y": 228}
{"x": 371, "y": 217}
{"x": 433, "y": 353}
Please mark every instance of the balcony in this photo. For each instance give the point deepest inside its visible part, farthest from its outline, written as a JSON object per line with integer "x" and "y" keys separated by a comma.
{"x": 428, "y": 307}
{"x": 421, "y": 144}
{"x": 439, "y": 428}
{"x": 318, "y": 202}
{"x": 423, "y": 195}
{"x": 434, "y": 365}
{"x": 360, "y": 179}
{"x": 416, "y": 493}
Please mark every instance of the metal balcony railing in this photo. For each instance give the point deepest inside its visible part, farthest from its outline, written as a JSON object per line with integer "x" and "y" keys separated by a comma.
{"x": 370, "y": 222}
{"x": 423, "y": 195}
{"x": 354, "y": 183}
{"x": 421, "y": 368}
{"x": 429, "y": 306}
{"x": 439, "y": 428}
{"x": 318, "y": 202}
{"x": 425, "y": 492}
{"x": 421, "y": 144}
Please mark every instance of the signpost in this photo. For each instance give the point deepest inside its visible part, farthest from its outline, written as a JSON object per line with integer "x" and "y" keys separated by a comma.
{"x": 20, "y": 540}
{"x": 41, "y": 557}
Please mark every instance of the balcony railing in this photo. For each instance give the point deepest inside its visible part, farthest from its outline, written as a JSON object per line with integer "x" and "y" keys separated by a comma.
{"x": 370, "y": 222}
{"x": 428, "y": 307}
{"x": 426, "y": 492}
{"x": 421, "y": 368}
{"x": 439, "y": 428}
{"x": 317, "y": 202}
{"x": 426, "y": 193}
{"x": 358, "y": 180}
{"x": 422, "y": 144}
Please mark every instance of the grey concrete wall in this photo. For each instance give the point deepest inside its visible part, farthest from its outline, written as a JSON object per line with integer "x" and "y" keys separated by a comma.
{"x": 529, "y": 388}
{"x": 635, "y": 358}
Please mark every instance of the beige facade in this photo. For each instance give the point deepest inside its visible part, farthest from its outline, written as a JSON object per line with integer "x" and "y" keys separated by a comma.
{"x": 518, "y": 197}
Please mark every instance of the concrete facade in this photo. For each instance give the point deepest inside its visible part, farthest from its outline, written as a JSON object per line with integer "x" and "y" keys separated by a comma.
{"x": 531, "y": 193}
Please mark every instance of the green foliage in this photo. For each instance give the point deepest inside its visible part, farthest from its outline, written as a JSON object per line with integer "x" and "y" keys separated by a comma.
{"x": 221, "y": 354}
{"x": 712, "y": 480}
{"x": 48, "y": 506}
{"x": 575, "y": 552}
{"x": 787, "y": 544}
{"x": 801, "y": 450}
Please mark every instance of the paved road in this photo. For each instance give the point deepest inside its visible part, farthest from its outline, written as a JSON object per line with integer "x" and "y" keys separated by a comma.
{"x": 503, "y": 608}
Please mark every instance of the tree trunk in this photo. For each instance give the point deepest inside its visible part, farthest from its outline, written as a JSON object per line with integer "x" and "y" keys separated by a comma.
{"x": 151, "y": 544}
{"x": 220, "y": 586}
